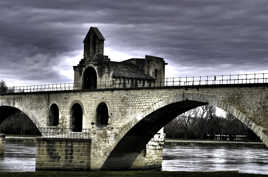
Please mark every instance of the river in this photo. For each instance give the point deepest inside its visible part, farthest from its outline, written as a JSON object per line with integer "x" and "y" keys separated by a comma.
{"x": 215, "y": 158}
{"x": 21, "y": 157}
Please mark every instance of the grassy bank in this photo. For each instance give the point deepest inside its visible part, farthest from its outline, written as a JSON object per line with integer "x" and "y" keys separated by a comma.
{"x": 126, "y": 174}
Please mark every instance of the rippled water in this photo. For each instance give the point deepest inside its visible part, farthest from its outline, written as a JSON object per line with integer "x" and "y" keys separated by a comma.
{"x": 21, "y": 157}
{"x": 219, "y": 158}
{"x": 18, "y": 157}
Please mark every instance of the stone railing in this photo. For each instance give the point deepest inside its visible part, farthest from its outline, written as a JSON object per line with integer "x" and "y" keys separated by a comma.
{"x": 255, "y": 78}
{"x": 56, "y": 132}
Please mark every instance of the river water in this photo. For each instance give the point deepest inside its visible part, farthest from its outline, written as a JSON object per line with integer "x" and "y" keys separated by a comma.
{"x": 215, "y": 158}
{"x": 18, "y": 156}
{"x": 21, "y": 157}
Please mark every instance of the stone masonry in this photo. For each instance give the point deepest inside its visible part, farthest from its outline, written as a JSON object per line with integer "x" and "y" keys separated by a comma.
{"x": 135, "y": 115}
{"x": 63, "y": 153}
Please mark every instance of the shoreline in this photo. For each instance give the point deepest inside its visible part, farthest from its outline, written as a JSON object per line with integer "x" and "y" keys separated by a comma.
{"x": 14, "y": 138}
{"x": 23, "y": 139}
{"x": 212, "y": 142}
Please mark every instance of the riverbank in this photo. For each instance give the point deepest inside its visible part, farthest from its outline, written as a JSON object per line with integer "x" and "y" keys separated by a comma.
{"x": 30, "y": 140}
{"x": 209, "y": 142}
{"x": 127, "y": 174}
{"x": 168, "y": 142}
{"x": 13, "y": 138}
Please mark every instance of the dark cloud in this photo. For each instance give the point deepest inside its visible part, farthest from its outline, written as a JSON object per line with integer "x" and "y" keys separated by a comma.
{"x": 196, "y": 37}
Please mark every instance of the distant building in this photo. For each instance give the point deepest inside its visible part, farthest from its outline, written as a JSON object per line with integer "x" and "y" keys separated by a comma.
{"x": 96, "y": 70}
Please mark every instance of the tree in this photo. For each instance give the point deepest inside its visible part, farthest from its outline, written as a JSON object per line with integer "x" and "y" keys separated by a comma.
{"x": 3, "y": 87}
{"x": 205, "y": 116}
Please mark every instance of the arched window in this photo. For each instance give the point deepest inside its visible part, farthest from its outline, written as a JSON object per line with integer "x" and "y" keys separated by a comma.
{"x": 102, "y": 115}
{"x": 155, "y": 73}
{"x": 53, "y": 119}
{"x": 77, "y": 118}
{"x": 90, "y": 78}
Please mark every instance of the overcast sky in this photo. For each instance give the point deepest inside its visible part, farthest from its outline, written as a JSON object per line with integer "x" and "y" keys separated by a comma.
{"x": 40, "y": 40}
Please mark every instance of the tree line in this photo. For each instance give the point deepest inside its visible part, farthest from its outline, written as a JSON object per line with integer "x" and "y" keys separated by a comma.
{"x": 204, "y": 123}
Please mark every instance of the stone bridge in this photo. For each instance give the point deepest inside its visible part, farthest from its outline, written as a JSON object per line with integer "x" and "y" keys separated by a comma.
{"x": 124, "y": 123}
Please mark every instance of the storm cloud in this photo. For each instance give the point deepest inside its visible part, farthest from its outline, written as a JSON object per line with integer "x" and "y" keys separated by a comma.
{"x": 41, "y": 40}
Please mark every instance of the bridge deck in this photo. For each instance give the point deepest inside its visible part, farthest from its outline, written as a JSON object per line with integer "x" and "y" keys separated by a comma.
{"x": 256, "y": 79}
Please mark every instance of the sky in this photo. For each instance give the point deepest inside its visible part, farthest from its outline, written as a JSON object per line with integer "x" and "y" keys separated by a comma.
{"x": 41, "y": 40}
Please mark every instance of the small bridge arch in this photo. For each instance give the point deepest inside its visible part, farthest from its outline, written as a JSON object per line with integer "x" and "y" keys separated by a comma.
{"x": 138, "y": 132}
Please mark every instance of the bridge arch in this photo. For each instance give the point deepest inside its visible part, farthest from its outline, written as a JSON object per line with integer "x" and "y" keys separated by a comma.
{"x": 89, "y": 78}
{"x": 7, "y": 111}
{"x": 138, "y": 132}
{"x": 76, "y": 117}
{"x": 53, "y": 119}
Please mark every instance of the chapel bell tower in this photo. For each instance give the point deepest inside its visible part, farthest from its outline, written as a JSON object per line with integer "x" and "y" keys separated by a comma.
{"x": 93, "y": 44}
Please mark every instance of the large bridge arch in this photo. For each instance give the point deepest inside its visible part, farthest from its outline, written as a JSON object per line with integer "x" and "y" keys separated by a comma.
{"x": 7, "y": 111}
{"x": 134, "y": 136}
{"x": 29, "y": 113}
{"x": 34, "y": 107}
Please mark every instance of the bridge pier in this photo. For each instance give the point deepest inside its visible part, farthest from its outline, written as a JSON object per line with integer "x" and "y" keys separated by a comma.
{"x": 63, "y": 154}
{"x": 152, "y": 156}
{"x": 149, "y": 158}
{"x": 2, "y": 144}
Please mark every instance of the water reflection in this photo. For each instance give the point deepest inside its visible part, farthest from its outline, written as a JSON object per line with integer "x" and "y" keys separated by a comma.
{"x": 220, "y": 158}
